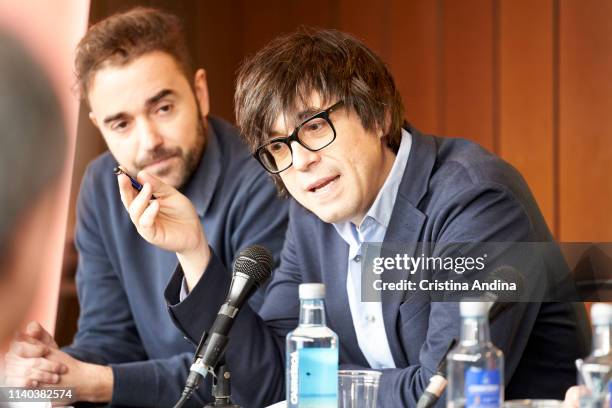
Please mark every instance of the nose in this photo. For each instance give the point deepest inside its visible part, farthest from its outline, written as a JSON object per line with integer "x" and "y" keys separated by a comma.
{"x": 302, "y": 157}
{"x": 149, "y": 136}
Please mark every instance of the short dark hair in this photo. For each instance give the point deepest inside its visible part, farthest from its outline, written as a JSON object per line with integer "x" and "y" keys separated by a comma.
{"x": 32, "y": 147}
{"x": 123, "y": 37}
{"x": 280, "y": 79}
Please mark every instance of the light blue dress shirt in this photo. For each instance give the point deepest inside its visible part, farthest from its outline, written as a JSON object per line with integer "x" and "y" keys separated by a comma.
{"x": 367, "y": 316}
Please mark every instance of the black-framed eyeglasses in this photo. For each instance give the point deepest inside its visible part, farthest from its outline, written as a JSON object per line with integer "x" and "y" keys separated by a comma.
{"x": 314, "y": 134}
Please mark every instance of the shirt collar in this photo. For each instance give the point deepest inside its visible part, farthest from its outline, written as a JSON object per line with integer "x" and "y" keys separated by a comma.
{"x": 380, "y": 211}
{"x": 382, "y": 208}
{"x": 202, "y": 185}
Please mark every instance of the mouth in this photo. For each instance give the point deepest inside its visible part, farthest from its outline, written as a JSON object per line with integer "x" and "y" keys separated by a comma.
{"x": 159, "y": 162}
{"x": 322, "y": 184}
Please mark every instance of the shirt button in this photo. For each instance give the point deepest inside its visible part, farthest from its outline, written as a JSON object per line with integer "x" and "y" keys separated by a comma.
{"x": 357, "y": 258}
{"x": 370, "y": 319}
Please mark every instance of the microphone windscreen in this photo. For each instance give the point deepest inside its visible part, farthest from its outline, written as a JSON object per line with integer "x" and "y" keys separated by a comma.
{"x": 256, "y": 262}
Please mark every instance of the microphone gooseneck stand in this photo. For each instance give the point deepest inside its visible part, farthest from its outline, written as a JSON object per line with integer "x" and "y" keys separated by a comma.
{"x": 221, "y": 388}
{"x": 251, "y": 269}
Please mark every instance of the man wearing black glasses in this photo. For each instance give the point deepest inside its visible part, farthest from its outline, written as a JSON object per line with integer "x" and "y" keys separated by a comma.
{"x": 321, "y": 113}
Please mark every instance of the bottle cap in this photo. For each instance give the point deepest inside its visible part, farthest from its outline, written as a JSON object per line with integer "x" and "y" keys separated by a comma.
{"x": 601, "y": 313}
{"x": 312, "y": 291}
{"x": 474, "y": 308}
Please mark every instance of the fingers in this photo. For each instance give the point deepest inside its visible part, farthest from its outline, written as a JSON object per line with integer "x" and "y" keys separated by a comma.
{"x": 39, "y": 363}
{"x": 126, "y": 191}
{"x": 139, "y": 204}
{"x": 28, "y": 347}
{"x": 147, "y": 219}
{"x": 32, "y": 372}
{"x": 20, "y": 382}
{"x": 158, "y": 187}
{"x": 17, "y": 372}
{"x": 35, "y": 330}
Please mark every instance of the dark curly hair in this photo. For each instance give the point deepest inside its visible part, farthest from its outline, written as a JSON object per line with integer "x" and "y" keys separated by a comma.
{"x": 281, "y": 78}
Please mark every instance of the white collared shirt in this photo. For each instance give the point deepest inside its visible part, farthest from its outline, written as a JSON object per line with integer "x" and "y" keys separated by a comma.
{"x": 367, "y": 316}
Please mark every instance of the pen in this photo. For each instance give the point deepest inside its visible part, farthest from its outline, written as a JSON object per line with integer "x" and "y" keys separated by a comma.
{"x": 118, "y": 171}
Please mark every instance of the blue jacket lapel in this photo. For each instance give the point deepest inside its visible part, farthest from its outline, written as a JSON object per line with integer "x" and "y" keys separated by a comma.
{"x": 405, "y": 229}
{"x": 338, "y": 309}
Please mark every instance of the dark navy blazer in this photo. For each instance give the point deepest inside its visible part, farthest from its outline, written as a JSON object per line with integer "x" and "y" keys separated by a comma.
{"x": 121, "y": 277}
{"x": 452, "y": 191}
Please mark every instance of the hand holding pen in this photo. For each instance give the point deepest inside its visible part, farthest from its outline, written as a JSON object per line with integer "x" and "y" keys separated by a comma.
{"x": 137, "y": 186}
{"x": 169, "y": 221}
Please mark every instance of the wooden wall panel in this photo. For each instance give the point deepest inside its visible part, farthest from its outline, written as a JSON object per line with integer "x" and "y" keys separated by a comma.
{"x": 212, "y": 42}
{"x": 525, "y": 138}
{"x": 261, "y": 21}
{"x": 368, "y": 21}
{"x": 585, "y": 112}
{"x": 467, "y": 60}
{"x": 414, "y": 59}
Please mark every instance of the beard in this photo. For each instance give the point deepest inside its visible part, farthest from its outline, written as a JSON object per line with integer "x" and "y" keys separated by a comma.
{"x": 190, "y": 158}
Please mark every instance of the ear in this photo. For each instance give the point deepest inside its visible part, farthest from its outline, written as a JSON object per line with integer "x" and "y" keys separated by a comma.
{"x": 201, "y": 90}
{"x": 383, "y": 129}
{"x": 93, "y": 119}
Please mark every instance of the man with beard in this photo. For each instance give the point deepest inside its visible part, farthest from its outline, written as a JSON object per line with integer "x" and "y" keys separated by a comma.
{"x": 324, "y": 116}
{"x": 152, "y": 110}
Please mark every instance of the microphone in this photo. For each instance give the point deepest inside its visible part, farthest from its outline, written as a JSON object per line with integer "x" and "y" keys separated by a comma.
{"x": 252, "y": 267}
{"x": 437, "y": 383}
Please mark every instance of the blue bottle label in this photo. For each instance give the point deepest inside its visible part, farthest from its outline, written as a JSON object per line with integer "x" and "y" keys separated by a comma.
{"x": 313, "y": 378}
{"x": 482, "y": 388}
{"x": 610, "y": 393}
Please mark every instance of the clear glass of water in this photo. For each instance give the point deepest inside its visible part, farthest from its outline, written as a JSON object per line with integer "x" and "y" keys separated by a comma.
{"x": 358, "y": 388}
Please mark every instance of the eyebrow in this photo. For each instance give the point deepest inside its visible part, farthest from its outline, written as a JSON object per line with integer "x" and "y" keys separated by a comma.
{"x": 149, "y": 102}
{"x": 114, "y": 117}
{"x": 307, "y": 113}
{"x": 158, "y": 96}
{"x": 301, "y": 117}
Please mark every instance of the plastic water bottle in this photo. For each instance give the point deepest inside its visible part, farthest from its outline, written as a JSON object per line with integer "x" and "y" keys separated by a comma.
{"x": 312, "y": 354}
{"x": 595, "y": 372}
{"x": 475, "y": 366}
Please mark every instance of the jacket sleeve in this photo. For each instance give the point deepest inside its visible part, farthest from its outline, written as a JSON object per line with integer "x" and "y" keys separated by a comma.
{"x": 260, "y": 218}
{"x": 256, "y": 350}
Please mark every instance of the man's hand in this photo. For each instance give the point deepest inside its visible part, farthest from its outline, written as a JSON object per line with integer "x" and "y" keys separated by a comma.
{"x": 169, "y": 222}
{"x": 35, "y": 360}
{"x": 27, "y": 364}
{"x": 89, "y": 382}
